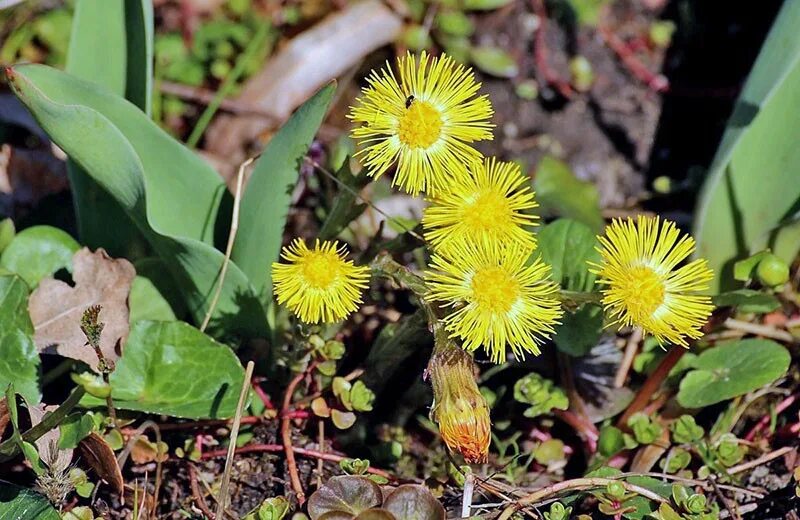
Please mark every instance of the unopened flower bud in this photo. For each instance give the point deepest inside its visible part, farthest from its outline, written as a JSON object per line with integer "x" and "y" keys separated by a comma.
{"x": 458, "y": 406}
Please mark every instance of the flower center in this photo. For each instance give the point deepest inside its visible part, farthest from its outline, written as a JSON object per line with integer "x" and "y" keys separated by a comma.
{"x": 321, "y": 268}
{"x": 494, "y": 289}
{"x": 488, "y": 212}
{"x": 643, "y": 291}
{"x": 420, "y": 125}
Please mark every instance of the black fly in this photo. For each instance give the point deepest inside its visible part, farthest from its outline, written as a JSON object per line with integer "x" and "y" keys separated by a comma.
{"x": 409, "y": 101}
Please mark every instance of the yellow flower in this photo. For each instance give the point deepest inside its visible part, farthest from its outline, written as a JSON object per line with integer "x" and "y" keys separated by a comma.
{"x": 486, "y": 206}
{"x": 458, "y": 406}
{"x": 642, "y": 286}
{"x": 498, "y": 299}
{"x": 424, "y": 122}
{"x": 318, "y": 285}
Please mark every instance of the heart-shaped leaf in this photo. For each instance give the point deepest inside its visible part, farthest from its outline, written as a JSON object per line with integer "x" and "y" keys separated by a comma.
{"x": 19, "y": 359}
{"x": 38, "y": 252}
{"x": 171, "y": 368}
{"x": 19, "y": 502}
{"x": 413, "y": 502}
{"x": 346, "y": 494}
{"x": 732, "y": 369}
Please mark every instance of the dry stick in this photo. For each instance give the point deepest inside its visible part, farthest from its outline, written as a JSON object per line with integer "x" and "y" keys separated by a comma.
{"x": 693, "y": 482}
{"x": 466, "y": 501}
{"x": 226, "y": 476}
{"x": 652, "y": 384}
{"x": 229, "y": 248}
{"x": 123, "y": 456}
{"x": 732, "y": 509}
{"x": 760, "y": 330}
{"x": 198, "y": 497}
{"x": 286, "y": 437}
{"x": 761, "y": 460}
{"x": 578, "y": 483}
{"x": 627, "y": 359}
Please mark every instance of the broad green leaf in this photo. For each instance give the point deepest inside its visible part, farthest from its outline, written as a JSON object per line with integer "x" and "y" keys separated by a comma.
{"x": 124, "y": 152}
{"x": 579, "y": 331}
{"x": 38, "y": 252}
{"x": 173, "y": 369}
{"x": 751, "y": 195}
{"x": 23, "y": 503}
{"x": 98, "y": 53}
{"x": 266, "y": 201}
{"x": 74, "y": 428}
{"x": 567, "y": 246}
{"x": 732, "y": 369}
{"x": 147, "y": 303}
{"x": 19, "y": 359}
{"x": 748, "y": 300}
{"x": 139, "y": 30}
{"x": 494, "y": 61}
{"x": 561, "y": 193}
{"x": 744, "y": 270}
{"x": 7, "y": 233}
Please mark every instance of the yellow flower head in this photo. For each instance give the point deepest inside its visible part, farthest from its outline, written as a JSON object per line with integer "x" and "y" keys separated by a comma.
{"x": 643, "y": 286}
{"x": 498, "y": 300}
{"x": 486, "y": 206}
{"x": 424, "y": 121}
{"x": 318, "y": 285}
{"x": 458, "y": 406}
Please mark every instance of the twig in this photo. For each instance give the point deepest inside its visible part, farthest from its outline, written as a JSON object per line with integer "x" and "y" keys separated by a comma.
{"x": 226, "y": 476}
{"x": 631, "y": 347}
{"x": 652, "y": 384}
{"x": 760, "y": 330}
{"x": 286, "y": 437}
{"x": 761, "y": 460}
{"x": 656, "y": 82}
{"x": 578, "y": 483}
{"x": 761, "y": 424}
{"x": 466, "y": 500}
{"x": 725, "y": 502}
{"x": 314, "y": 454}
{"x": 229, "y": 248}
{"x": 198, "y": 497}
{"x": 540, "y": 53}
{"x": 693, "y": 482}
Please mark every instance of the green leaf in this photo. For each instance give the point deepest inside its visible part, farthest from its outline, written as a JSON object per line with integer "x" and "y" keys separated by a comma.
{"x": 124, "y": 152}
{"x": 747, "y": 300}
{"x": 18, "y": 502}
{"x": 19, "y": 359}
{"x": 139, "y": 28}
{"x": 743, "y": 270}
{"x": 345, "y": 209}
{"x": 266, "y": 201}
{"x": 38, "y": 252}
{"x": 559, "y": 192}
{"x": 540, "y": 393}
{"x": 494, "y": 61}
{"x": 7, "y": 233}
{"x": 74, "y": 428}
{"x": 751, "y": 194}
{"x": 173, "y": 369}
{"x": 568, "y": 245}
{"x": 98, "y": 53}
{"x": 147, "y": 303}
{"x": 732, "y": 369}
{"x": 579, "y": 331}
{"x": 485, "y": 5}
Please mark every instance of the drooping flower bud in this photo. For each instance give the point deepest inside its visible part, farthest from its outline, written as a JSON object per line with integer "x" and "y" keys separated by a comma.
{"x": 458, "y": 406}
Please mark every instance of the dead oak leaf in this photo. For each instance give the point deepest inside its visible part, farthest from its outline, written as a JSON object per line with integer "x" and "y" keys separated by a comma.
{"x": 56, "y": 307}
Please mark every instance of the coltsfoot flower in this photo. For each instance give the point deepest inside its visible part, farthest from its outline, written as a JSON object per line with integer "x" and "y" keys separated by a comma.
{"x": 318, "y": 285}
{"x": 643, "y": 285}
{"x": 490, "y": 204}
{"x": 498, "y": 299}
{"x": 458, "y": 406}
{"x": 424, "y": 120}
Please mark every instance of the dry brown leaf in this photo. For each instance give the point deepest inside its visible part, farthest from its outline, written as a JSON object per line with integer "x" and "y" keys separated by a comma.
{"x": 56, "y": 307}
{"x": 96, "y": 452}
{"x": 144, "y": 451}
{"x": 47, "y": 444}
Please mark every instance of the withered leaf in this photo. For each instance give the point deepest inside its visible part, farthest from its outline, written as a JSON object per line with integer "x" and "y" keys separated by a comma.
{"x": 47, "y": 444}
{"x": 56, "y": 307}
{"x": 96, "y": 452}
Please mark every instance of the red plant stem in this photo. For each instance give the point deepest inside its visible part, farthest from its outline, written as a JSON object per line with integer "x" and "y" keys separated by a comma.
{"x": 586, "y": 429}
{"x": 760, "y": 425}
{"x": 540, "y": 53}
{"x": 276, "y": 448}
{"x": 656, "y": 82}
{"x": 263, "y": 396}
{"x": 652, "y": 384}
{"x": 286, "y": 436}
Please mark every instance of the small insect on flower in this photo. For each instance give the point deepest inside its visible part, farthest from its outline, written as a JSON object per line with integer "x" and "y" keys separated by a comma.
{"x": 423, "y": 119}
{"x": 486, "y": 206}
{"x": 318, "y": 285}
{"x": 643, "y": 285}
{"x": 499, "y": 301}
